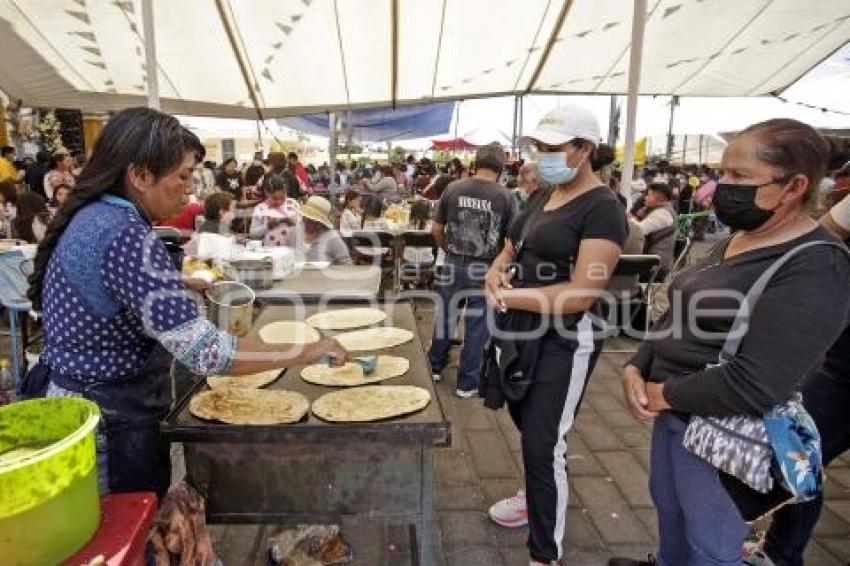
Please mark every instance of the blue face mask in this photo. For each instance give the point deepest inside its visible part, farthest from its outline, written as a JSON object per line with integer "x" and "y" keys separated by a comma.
{"x": 554, "y": 169}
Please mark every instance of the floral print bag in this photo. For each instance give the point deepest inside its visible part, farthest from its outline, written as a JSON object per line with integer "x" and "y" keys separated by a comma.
{"x": 783, "y": 444}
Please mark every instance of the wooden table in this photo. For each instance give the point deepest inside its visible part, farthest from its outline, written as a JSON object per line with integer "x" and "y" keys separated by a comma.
{"x": 337, "y": 282}
{"x": 314, "y": 471}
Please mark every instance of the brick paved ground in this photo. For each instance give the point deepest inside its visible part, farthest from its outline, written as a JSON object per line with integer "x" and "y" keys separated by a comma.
{"x": 610, "y": 511}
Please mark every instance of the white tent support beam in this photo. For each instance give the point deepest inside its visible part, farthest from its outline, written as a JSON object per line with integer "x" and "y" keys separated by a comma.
{"x": 553, "y": 37}
{"x": 635, "y": 56}
{"x": 394, "y": 51}
{"x": 150, "y": 54}
{"x": 241, "y": 59}
{"x": 514, "y": 135}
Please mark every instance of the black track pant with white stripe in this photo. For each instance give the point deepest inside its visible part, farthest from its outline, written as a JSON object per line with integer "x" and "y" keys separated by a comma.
{"x": 544, "y": 416}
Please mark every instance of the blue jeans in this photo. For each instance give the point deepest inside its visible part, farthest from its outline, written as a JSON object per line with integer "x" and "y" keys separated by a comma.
{"x": 826, "y": 395}
{"x": 698, "y": 523}
{"x": 461, "y": 285}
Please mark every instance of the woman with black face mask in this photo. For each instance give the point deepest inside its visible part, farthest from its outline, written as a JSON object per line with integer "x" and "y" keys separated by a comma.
{"x": 769, "y": 173}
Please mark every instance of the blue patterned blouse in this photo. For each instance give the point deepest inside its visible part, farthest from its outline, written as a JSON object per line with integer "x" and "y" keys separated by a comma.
{"x": 111, "y": 292}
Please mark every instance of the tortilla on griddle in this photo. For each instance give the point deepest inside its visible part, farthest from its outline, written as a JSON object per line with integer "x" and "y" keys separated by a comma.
{"x": 241, "y": 406}
{"x": 346, "y": 319}
{"x": 374, "y": 338}
{"x": 289, "y": 332}
{"x": 370, "y": 403}
{"x": 352, "y": 374}
{"x": 251, "y": 381}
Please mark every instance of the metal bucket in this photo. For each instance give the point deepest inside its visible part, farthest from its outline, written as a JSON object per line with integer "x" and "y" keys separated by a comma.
{"x": 231, "y": 307}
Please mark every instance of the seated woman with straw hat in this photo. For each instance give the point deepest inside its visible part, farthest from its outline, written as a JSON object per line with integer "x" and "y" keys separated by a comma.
{"x": 322, "y": 241}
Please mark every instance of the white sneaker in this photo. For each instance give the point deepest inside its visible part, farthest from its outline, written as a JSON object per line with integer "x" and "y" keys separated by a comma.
{"x": 463, "y": 394}
{"x": 511, "y": 512}
{"x": 437, "y": 377}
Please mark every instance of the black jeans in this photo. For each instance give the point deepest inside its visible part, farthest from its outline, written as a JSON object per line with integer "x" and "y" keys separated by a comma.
{"x": 826, "y": 395}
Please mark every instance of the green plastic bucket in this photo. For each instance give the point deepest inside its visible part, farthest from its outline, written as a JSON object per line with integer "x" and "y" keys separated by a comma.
{"x": 49, "y": 501}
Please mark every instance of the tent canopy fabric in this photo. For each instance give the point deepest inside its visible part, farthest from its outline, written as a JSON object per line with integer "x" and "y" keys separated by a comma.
{"x": 455, "y": 144}
{"x": 380, "y": 124}
{"x": 216, "y": 57}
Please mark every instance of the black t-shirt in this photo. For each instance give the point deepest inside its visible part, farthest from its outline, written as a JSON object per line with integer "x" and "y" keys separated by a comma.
{"x": 231, "y": 184}
{"x": 476, "y": 214}
{"x": 801, "y": 312}
{"x": 548, "y": 241}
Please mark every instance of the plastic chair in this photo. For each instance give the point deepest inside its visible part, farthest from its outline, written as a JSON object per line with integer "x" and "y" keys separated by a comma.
{"x": 126, "y": 520}
{"x": 382, "y": 244}
{"x": 410, "y": 273}
{"x": 643, "y": 268}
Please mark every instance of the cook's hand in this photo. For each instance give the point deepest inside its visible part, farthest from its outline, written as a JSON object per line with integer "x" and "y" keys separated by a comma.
{"x": 330, "y": 348}
{"x": 655, "y": 393}
{"x": 635, "y": 394}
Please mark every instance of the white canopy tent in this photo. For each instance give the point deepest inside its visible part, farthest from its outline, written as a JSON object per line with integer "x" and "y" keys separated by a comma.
{"x": 217, "y": 57}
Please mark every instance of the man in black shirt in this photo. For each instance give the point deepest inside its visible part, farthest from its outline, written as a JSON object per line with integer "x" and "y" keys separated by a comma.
{"x": 470, "y": 224}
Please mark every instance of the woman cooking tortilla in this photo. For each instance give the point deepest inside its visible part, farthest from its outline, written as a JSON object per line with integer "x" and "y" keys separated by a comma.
{"x": 116, "y": 312}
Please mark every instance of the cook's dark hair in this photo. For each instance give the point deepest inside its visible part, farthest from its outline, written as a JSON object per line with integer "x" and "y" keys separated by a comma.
{"x": 139, "y": 137}
{"x": 228, "y": 160}
{"x": 792, "y": 147}
{"x": 215, "y": 203}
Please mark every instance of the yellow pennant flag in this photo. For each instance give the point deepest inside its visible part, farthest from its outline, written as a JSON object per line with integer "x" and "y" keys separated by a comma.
{"x": 640, "y": 152}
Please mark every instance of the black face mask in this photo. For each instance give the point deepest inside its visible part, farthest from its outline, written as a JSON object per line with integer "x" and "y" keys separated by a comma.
{"x": 736, "y": 207}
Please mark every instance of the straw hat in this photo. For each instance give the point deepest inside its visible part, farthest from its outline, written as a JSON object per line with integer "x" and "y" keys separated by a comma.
{"x": 319, "y": 210}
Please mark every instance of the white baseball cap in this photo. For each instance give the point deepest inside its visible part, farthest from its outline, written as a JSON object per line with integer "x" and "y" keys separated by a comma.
{"x": 565, "y": 124}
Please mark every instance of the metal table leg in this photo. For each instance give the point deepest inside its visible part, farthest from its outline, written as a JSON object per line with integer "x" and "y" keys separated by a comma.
{"x": 427, "y": 520}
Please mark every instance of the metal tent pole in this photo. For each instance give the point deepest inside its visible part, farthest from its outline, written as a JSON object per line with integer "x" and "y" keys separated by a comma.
{"x": 636, "y": 52}
{"x": 613, "y": 121}
{"x": 516, "y": 117}
{"x": 150, "y": 54}
{"x": 333, "y": 142}
{"x": 674, "y": 102}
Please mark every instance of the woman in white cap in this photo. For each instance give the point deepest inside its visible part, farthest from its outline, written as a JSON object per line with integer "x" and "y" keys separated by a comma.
{"x": 324, "y": 243}
{"x": 556, "y": 262}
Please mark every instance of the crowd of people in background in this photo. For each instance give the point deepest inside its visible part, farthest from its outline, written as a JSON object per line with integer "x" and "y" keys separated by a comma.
{"x": 518, "y": 238}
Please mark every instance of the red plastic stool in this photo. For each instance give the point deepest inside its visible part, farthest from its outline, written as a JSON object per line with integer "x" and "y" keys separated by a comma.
{"x": 125, "y": 522}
